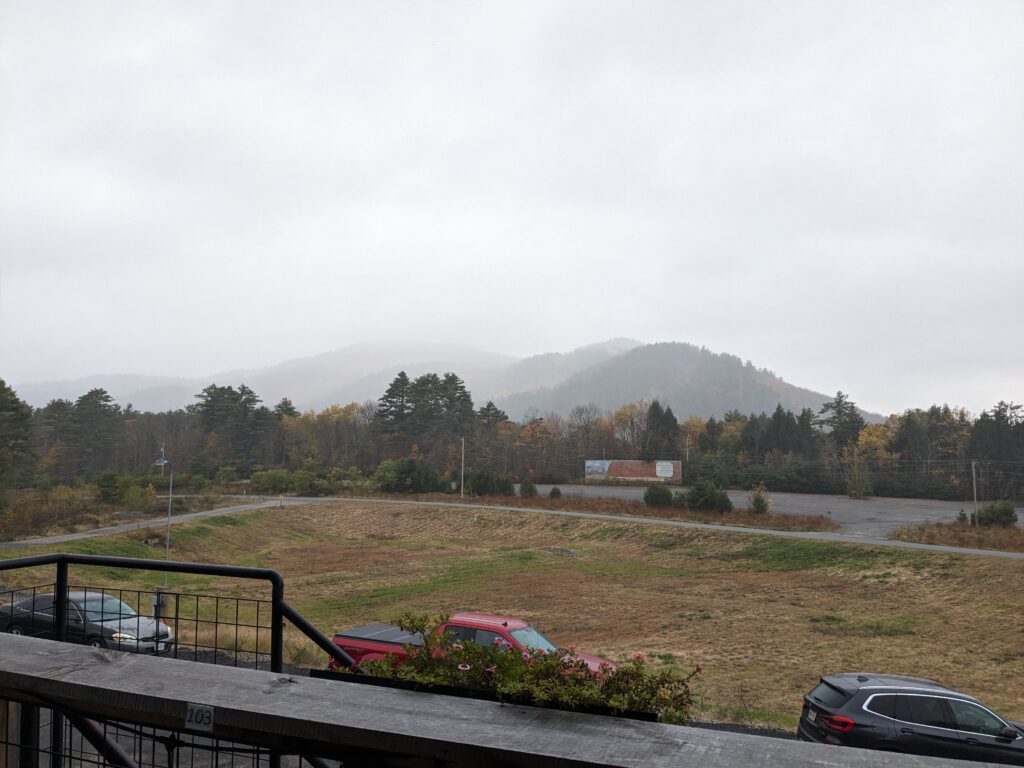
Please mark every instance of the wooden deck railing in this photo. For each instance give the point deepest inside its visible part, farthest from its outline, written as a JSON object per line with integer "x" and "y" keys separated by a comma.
{"x": 363, "y": 725}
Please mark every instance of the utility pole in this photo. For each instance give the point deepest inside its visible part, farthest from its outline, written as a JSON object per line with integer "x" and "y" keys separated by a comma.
{"x": 974, "y": 484}
{"x": 462, "y": 471}
{"x": 163, "y": 462}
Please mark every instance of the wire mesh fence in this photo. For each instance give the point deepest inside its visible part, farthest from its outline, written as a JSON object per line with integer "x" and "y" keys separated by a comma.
{"x": 40, "y": 737}
{"x": 232, "y": 630}
{"x": 213, "y": 629}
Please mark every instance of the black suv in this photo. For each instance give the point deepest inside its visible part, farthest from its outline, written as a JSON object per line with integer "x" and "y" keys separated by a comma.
{"x": 907, "y": 714}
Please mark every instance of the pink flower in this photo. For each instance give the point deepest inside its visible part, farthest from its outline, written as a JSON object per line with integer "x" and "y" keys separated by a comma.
{"x": 464, "y": 667}
{"x": 526, "y": 655}
{"x": 638, "y": 656}
{"x": 456, "y": 646}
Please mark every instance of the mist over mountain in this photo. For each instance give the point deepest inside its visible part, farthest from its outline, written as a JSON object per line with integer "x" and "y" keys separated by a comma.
{"x": 693, "y": 380}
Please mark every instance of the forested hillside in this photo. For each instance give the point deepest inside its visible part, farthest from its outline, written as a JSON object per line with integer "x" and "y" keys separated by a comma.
{"x": 696, "y": 381}
{"x": 69, "y": 453}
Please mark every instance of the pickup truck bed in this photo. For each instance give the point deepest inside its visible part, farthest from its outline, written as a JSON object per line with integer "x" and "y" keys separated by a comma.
{"x": 381, "y": 633}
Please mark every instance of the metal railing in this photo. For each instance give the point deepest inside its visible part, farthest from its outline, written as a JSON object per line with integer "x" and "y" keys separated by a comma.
{"x": 234, "y": 631}
{"x": 195, "y": 620}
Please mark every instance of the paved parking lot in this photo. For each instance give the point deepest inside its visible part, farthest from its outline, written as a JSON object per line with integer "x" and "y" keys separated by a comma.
{"x": 871, "y": 518}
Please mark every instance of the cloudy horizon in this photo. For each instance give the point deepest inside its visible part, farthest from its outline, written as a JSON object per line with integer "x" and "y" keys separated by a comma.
{"x": 831, "y": 190}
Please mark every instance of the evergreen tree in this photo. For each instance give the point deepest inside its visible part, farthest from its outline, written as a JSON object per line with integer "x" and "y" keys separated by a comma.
{"x": 661, "y": 438}
{"x": 394, "y": 407}
{"x": 806, "y": 441}
{"x": 781, "y": 434}
{"x": 285, "y": 408}
{"x": 491, "y": 415}
{"x": 96, "y": 422}
{"x": 234, "y": 424}
{"x": 53, "y": 430}
{"x": 15, "y": 436}
{"x": 426, "y": 401}
{"x": 843, "y": 419}
{"x": 456, "y": 404}
{"x": 708, "y": 441}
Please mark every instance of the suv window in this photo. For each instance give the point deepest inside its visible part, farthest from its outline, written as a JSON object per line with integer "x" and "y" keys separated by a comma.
{"x": 882, "y": 704}
{"x": 971, "y": 717}
{"x": 924, "y": 710}
{"x": 829, "y": 695}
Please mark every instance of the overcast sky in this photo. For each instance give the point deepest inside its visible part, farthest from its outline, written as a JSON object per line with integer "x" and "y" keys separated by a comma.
{"x": 832, "y": 190}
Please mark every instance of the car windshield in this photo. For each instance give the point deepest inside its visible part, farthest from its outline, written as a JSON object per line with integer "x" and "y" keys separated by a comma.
{"x": 528, "y": 637}
{"x": 103, "y": 608}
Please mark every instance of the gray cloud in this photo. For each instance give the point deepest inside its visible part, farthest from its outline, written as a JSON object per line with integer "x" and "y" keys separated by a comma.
{"x": 834, "y": 189}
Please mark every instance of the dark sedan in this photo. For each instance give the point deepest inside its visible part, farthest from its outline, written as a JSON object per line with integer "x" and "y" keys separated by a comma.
{"x": 907, "y": 714}
{"x": 93, "y": 618}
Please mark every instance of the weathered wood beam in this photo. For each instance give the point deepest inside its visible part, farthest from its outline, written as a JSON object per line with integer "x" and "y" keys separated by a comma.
{"x": 382, "y": 726}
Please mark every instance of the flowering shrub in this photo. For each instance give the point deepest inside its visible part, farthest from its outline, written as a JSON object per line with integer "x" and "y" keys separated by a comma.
{"x": 561, "y": 680}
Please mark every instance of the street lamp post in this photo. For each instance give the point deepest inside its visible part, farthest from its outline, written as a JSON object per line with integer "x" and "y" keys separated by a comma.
{"x": 163, "y": 462}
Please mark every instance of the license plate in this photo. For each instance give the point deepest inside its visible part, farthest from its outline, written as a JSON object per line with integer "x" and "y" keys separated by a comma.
{"x": 812, "y": 715}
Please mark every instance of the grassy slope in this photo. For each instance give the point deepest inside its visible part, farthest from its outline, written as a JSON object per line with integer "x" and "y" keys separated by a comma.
{"x": 764, "y": 616}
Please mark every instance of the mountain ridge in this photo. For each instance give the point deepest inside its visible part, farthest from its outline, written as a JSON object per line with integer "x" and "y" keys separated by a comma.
{"x": 694, "y": 380}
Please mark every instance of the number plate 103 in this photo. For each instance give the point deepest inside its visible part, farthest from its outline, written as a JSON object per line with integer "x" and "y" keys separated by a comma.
{"x": 199, "y": 717}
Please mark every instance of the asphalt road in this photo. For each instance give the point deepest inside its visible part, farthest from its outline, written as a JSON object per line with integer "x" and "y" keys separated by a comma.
{"x": 158, "y": 522}
{"x": 840, "y": 537}
{"x": 873, "y": 518}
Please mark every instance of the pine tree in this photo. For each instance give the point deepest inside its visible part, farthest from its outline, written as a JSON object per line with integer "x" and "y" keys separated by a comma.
{"x": 843, "y": 419}
{"x": 394, "y": 407}
{"x": 491, "y": 415}
{"x": 15, "y": 435}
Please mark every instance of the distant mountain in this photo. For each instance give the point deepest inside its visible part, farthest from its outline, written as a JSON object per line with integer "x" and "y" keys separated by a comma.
{"x": 141, "y": 391}
{"x": 350, "y": 373}
{"x": 554, "y": 368}
{"x": 693, "y": 380}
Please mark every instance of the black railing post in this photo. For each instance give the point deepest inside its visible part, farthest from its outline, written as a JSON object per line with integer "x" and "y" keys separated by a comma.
{"x": 277, "y": 625}
{"x": 56, "y": 739}
{"x": 60, "y": 632}
{"x": 60, "y": 601}
{"x": 28, "y": 736}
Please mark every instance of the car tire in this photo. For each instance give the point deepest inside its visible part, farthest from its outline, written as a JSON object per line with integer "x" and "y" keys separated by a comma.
{"x": 14, "y": 629}
{"x": 96, "y": 642}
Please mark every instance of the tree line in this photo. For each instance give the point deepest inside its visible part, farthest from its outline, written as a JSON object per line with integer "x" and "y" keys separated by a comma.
{"x": 229, "y": 435}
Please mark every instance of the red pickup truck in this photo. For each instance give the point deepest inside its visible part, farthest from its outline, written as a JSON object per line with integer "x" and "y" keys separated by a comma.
{"x": 377, "y": 641}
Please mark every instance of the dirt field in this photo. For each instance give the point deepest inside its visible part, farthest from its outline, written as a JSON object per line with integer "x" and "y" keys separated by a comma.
{"x": 763, "y": 616}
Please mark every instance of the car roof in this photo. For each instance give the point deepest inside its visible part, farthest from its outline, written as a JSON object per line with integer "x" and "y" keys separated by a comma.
{"x": 856, "y": 681}
{"x": 92, "y": 593}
